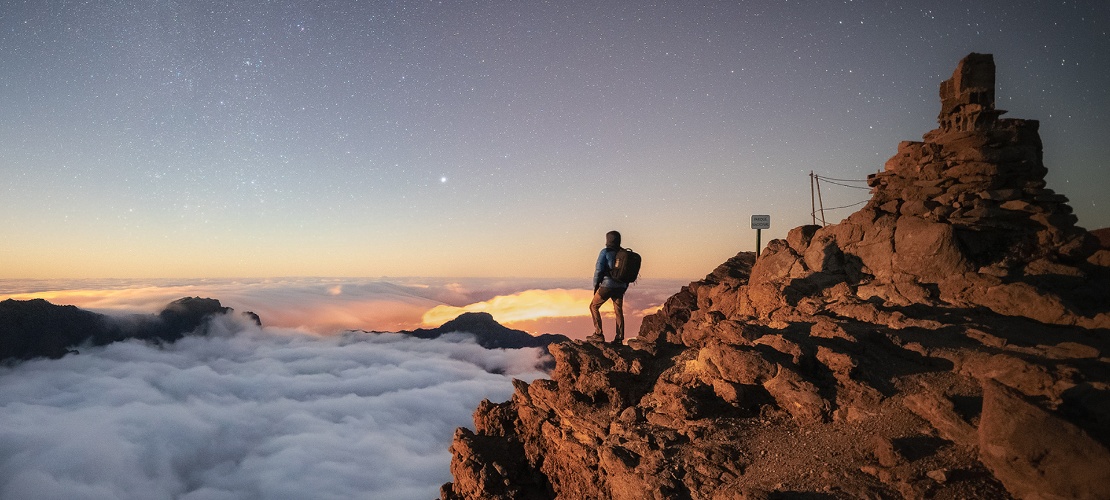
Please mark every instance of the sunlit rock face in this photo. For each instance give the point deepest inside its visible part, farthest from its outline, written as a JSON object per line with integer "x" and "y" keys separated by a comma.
{"x": 949, "y": 340}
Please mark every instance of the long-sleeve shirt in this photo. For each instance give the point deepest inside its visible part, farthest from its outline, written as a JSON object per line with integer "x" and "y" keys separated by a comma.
{"x": 605, "y": 261}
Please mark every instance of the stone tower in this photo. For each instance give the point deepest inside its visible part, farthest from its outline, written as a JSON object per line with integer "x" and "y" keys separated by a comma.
{"x": 967, "y": 99}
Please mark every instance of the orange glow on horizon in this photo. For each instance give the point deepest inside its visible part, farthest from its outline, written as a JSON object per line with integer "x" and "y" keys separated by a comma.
{"x": 544, "y": 311}
{"x": 522, "y": 306}
{"x": 149, "y": 299}
{"x": 323, "y": 314}
{"x": 331, "y": 308}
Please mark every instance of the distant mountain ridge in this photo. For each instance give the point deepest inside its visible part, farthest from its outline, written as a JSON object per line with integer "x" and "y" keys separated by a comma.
{"x": 36, "y": 328}
{"x": 489, "y": 333}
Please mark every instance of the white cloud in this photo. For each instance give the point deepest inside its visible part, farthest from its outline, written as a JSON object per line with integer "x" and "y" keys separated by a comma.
{"x": 261, "y": 413}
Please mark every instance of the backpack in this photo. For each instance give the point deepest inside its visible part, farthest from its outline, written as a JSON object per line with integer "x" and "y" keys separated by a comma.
{"x": 626, "y": 267}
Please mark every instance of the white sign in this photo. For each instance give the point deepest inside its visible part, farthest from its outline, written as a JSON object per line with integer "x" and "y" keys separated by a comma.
{"x": 761, "y": 222}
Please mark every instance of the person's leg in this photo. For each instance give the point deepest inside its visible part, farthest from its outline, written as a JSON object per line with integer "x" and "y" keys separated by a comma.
{"x": 595, "y": 312}
{"x": 618, "y": 310}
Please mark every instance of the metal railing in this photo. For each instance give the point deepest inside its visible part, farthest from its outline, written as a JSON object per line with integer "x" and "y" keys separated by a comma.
{"x": 817, "y": 205}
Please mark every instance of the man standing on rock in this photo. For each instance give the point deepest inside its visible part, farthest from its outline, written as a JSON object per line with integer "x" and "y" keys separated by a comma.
{"x": 606, "y": 287}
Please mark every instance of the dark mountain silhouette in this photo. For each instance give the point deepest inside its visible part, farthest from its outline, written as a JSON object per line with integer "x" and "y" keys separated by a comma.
{"x": 37, "y": 328}
{"x": 490, "y": 333}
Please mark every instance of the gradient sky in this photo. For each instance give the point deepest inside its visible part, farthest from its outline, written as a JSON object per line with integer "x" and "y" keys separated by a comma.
{"x": 406, "y": 138}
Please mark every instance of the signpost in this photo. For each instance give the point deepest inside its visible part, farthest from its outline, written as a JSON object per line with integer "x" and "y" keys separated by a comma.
{"x": 759, "y": 223}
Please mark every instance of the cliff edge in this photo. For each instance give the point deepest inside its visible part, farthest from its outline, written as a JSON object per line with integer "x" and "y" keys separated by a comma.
{"x": 949, "y": 340}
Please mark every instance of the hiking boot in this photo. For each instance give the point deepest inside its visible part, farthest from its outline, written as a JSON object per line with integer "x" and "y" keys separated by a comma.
{"x": 597, "y": 337}
{"x": 618, "y": 340}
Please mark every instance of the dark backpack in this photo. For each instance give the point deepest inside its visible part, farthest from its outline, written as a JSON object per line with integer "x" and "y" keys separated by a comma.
{"x": 626, "y": 267}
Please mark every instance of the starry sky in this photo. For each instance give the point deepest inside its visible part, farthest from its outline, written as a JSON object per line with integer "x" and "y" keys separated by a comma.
{"x": 496, "y": 138}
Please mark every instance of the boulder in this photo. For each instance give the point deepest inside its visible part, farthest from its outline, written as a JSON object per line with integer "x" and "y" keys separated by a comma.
{"x": 927, "y": 250}
{"x": 1036, "y": 454}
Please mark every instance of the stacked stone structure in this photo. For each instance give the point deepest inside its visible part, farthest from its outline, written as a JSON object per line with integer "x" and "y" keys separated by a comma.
{"x": 963, "y": 212}
{"x": 982, "y": 175}
{"x": 967, "y": 99}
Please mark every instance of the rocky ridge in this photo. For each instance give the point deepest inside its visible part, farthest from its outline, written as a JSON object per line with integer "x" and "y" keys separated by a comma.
{"x": 949, "y": 340}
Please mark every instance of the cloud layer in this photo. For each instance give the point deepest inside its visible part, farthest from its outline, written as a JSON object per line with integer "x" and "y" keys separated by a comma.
{"x": 326, "y": 305}
{"x": 261, "y": 413}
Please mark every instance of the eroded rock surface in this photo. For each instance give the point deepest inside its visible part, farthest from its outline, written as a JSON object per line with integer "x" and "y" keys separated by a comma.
{"x": 949, "y": 340}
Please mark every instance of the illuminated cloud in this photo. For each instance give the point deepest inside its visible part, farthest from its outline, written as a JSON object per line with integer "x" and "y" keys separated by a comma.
{"x": 326, "y": 305}
{"x": 559, "y": 310}
{"x": 255, "y": 414}
{"x": 143, "y": 299}
{"x": 318, "y": 305}
{"x": 522, "y": 306}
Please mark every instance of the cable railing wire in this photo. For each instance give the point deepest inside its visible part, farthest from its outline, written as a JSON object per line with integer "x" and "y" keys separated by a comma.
{"x": 845, "y": 185}
{"x": 848, "y": 206}
{"x": 841, "y": 180}
{"x": 818, "y": 206}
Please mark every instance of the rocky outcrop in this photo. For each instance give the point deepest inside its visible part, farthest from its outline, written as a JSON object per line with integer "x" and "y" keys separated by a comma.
{"x": 487, "y": 332}
{"x": 1103, "y": 237}
{"x": 37, "y": 328}
{"x": 950, "y": 340}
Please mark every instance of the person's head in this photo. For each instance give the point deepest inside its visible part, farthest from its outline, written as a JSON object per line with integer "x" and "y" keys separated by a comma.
{"x": 613, "y": 239}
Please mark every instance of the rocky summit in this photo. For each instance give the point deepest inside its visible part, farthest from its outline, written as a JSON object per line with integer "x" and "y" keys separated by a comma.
{"x": 949, "y": 340}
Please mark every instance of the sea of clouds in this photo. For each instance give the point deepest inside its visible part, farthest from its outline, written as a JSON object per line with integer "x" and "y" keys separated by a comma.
{"x": 300, "y": 408}
{"x": 247, "y": 412}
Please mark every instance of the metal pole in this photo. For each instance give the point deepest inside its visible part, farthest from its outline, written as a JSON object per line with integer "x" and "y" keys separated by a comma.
{"x": 812, "y": 204}
{"x": 819, "y": 202}
{"x": 757, "y": 245}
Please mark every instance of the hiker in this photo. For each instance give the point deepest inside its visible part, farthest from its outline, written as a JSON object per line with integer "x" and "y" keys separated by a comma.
{"x": 606, "y": 287}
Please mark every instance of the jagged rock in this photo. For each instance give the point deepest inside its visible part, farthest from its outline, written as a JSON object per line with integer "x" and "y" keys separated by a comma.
{"x": 1102, "y": 236}
{"x": 487, "y": 467}
{"x": 735, "y": 364}
{"x": 885, "y": 453}
{"x": 926, "y": 250}
{"x": 798, "y": 396}
{"x": 1036, "y": 454}
{"x": 941, "y": 414}
{"x": 949, "y": 340}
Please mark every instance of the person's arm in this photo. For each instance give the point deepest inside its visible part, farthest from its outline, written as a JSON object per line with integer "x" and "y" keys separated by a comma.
{"x": 600, "y": 269}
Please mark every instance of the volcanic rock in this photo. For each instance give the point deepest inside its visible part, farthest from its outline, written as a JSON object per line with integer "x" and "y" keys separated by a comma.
{"x": 950, "y": 340}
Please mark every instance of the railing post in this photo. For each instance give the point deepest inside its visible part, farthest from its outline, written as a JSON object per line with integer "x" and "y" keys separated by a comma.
{"x": 819, "y": 201}
{"x": 812, "y": 204}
